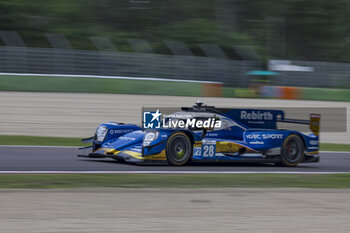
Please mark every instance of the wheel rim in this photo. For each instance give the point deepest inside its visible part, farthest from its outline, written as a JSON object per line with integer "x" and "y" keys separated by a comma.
{"x": 293, "y": 150}
{"x": 179, "y": 149}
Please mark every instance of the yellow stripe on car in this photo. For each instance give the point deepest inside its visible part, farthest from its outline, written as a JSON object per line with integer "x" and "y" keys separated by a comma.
{"x": 230, "y": 147}
{"x": 160, "y": 156}
{"x": 136, "y": 155}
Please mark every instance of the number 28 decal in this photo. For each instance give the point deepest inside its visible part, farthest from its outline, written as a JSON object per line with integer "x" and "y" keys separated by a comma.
{"x": 208, "y": 150}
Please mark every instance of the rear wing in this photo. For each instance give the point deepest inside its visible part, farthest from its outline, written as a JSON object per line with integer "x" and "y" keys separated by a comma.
{"x": 313, "y": 122}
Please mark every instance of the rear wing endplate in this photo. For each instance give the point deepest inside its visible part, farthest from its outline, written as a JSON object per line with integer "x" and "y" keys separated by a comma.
{"x": 313, "y": 122}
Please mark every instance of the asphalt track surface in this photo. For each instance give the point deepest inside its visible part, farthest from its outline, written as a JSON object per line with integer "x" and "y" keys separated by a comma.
{"x": 64, "y": 159}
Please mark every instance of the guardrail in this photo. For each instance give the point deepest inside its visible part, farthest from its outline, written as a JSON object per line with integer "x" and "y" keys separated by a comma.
{"x": 79, "y": 62}
{"x": 103, "y": 63}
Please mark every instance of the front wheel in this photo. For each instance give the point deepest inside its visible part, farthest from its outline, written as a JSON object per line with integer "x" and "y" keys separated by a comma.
{"x": 292, "y": 151}
{"x": 179, "y": 149}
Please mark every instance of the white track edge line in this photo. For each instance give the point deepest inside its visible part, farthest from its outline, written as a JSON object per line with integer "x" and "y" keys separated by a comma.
{"x": 28, "y": 146}
{"x": 326, "y": 151}
{"x": 74, "y": 147}
{"x": 172, "y": 172}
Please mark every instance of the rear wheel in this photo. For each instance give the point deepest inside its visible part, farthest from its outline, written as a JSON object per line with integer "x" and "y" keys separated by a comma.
{"x": 179, "y": 149}
{"x": 292, "y": 151}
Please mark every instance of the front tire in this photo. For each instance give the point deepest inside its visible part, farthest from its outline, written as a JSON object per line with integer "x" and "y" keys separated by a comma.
{"x": 178, "y": 149}
{"x": 292, "y": 151}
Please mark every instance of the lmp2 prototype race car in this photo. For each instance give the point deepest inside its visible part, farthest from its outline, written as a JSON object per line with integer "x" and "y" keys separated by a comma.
{"x": 206, "y": 133}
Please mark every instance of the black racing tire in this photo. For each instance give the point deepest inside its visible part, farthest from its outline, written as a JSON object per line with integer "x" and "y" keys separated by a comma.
{"x": 292, "y": 151}
{"x": 178, "y": 149}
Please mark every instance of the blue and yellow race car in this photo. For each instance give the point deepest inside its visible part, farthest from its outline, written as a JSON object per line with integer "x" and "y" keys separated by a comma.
{"x": 206, "y": 133}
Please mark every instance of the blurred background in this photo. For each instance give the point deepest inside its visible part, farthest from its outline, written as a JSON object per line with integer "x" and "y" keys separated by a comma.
{"x": 269, "y": 49}
{"x": 167, "y": 53}
{"x": 237, "y": 43}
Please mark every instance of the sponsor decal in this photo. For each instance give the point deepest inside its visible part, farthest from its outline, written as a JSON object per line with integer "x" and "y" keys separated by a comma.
{"x": 212, "y": 135}
{"x": 256, "y": 142}
{"x": 262, "y": 136}
{"x": 119, "y": 131}
{"x": 197, "y": 151}
{"x": 256, "y": 115}
{"x": 127, "y": 138}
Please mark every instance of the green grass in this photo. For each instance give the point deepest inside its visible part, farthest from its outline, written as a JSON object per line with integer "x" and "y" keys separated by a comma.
{"x": 328, "y": 94}
{"x": 125, "y": 86}
{"x": 335, "y": 147}
{"x": 60, "y": 141}
{"x": 38, "y": 141}
{"x": 173, "y": 181}
{"x": 231, "y": 92}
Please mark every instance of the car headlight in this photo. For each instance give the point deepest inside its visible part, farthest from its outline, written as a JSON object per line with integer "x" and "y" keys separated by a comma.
{"x": 101, "y": 133}
{"x": 150, "y": 137}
